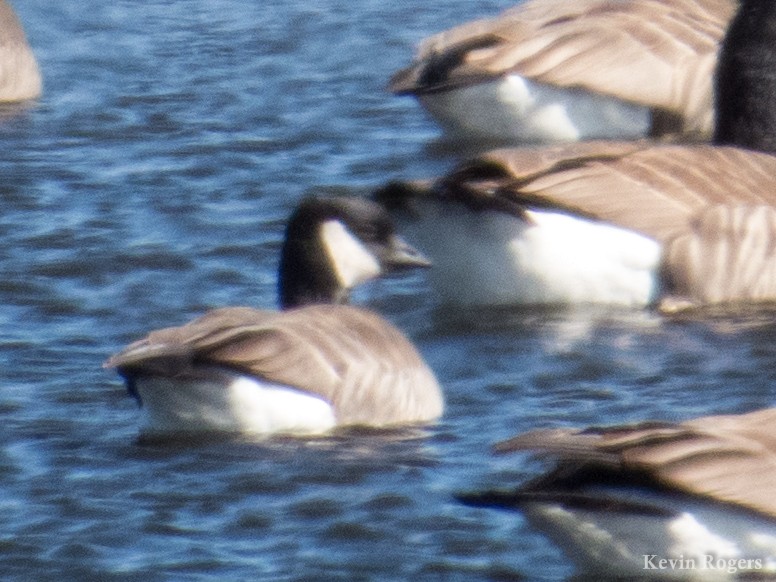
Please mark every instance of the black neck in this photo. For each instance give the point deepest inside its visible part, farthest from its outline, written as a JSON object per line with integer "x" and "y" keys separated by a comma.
{"x": 746, "y": 79}
{"x": 305, "y": 275}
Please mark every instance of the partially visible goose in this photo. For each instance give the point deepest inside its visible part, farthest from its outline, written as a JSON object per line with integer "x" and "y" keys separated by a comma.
{"x": 701, "y": 493}
{"x": 623, "y": 223}
{"x": 556, "y": 70}
{"x": 315, "y": 365}
{"x": 19, "y": 74}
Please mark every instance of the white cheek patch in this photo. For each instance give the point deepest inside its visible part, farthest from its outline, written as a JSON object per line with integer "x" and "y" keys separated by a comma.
{"x": 351, "y": 260}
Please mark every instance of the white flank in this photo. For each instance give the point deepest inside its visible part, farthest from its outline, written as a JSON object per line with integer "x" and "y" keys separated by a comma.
{"x": 230, "y": 403}
{"x": 490, "y": 258}
{"x": 352, "y": 261}
{"x": 514, "y": 108}
{"x": 703, "y": 541}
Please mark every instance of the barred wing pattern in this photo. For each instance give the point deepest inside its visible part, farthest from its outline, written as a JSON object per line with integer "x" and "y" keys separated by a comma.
{"x": 713, "y": 208}
{"x": 730, "y": 458}
{"x": 352, "y": 358}
{"x": 657, "y": 53}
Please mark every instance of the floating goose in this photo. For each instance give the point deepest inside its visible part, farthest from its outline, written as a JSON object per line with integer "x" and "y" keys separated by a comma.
{"x": 693, "y": 500}
{"x": 560, "y": 70}
{"x": 622, "y": 223}
{"x": 315, "y": 365}
{"x": 19, "y": 74}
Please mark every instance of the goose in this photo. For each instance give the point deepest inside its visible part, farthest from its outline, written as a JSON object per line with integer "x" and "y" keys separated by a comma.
{"x": 20, "y": 78}
{"x": 632, "y": 224}
{"x": 554, "y": 70}
{"x": 314, "y": 365}
{"x": 688, "y": 500}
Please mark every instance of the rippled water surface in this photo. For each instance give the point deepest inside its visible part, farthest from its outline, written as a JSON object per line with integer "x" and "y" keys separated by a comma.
{"x": 151, "y": 183}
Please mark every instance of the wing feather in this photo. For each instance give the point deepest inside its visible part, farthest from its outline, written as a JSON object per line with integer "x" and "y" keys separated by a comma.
{"x": 352, "y": 358}
{"x": 731, "y": 458}
{"x": 657, "y": 53}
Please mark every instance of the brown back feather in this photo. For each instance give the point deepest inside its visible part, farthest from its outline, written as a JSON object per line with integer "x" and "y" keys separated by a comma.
{"x": 657, "y": 53}
{"x": 652, "y": 189}
{"x": 731, "y": 459}
{"x": 712, "y": 207}
{"x": 351, "y": 357}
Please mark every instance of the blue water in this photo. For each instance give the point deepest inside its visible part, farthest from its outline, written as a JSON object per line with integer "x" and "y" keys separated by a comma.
{"x": 151, "y": 183}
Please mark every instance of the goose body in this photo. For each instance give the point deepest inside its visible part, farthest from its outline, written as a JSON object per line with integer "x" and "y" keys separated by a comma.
{"x": 552, "y": 70}
{"x": 513, "y": 108}
{"x": 315, "y": 365}
{"x": 643, "y": 223}
{"x": 534, "y": 257}
{"x": 20, "y": 77}
{"x": 692, "y": 500}
{"x": 609, "y": 223}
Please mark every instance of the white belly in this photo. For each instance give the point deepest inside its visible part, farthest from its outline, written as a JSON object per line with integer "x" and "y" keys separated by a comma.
{"x": 701, "y": 541}
{"x": 229, "y": 402}
{"x": 490, "y": 258}
{"x": 516, "y": 109}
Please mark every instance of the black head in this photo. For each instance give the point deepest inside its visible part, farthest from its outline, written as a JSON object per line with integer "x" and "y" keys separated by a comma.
{"x": 746, "y": 79}
{"x": 333, "y": 244}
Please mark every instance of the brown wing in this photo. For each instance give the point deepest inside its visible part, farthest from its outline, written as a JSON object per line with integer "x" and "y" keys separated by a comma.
{"x": 354, "y": 359}
{"x": 728, "y": 458}
{"x": 657, "y": 53}
{"x": 652, "y": 189}
{"x": 714, "y": 208}
{"x": 19, "y": 73}
{"x": 727, "y": 254}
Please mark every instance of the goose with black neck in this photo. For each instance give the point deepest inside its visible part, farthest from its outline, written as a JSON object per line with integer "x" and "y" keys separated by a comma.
{"x": 315, "y": 365}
